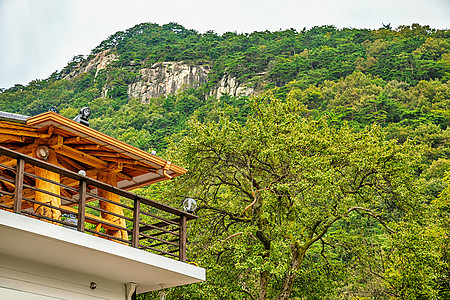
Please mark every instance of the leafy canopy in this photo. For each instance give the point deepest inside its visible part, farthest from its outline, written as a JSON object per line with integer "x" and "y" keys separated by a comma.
{"x": 270, "y": 189}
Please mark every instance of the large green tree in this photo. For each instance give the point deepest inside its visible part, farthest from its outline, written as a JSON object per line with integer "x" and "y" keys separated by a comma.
{"x": 272, "y": 189}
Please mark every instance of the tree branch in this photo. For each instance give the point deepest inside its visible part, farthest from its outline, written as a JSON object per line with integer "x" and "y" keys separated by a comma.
{"x": 322, "y": 233}
{"x": 237, "y": 234}
{"x": 233, "y": 216}
{"x": 372, "y": 214}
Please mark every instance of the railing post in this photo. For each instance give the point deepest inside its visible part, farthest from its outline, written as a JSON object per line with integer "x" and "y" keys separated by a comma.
{"x": 81, "y": 205}
{"x": 183, "y": 237}
{"x": 18, "y": 191}
{"x": 136, "y": 213}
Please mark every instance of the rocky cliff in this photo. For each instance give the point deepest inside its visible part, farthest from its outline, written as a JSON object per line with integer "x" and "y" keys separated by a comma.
{"x": 163, "y": 78}
{"x": 97, "y": 63}
{"x": 229, "y": 85}
{"x": 167, "y": 78}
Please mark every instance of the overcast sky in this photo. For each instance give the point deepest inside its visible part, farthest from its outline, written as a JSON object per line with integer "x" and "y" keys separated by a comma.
{"x": 38, "y": 37}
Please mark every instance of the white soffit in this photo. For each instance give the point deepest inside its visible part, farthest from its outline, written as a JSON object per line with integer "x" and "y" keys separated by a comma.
{"x": 46, "y": 243}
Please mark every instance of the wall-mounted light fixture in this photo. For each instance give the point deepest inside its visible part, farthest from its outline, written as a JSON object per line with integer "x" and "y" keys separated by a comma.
{"x": 162, "y": 295}
{"x": 42, "y": 152}
{"x": 130, "y": 290}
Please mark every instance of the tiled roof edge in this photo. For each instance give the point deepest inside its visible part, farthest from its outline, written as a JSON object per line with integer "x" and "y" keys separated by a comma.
{"x": 13, "y": 117}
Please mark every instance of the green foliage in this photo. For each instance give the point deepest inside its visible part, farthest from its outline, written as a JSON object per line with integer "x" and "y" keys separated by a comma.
{"x": 146, "y": 125}
{"x": 343, "y": 117}
{"x": 272, "y": 188}
{"x": 416, "y": 265}
{"x": 408, "y": 54}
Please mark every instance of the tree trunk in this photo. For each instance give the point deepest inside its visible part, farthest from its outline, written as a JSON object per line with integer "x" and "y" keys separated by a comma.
{"x": 265, "y": 240}
{"x": 298, "y": 253}
{"x": 110, "y": 178}
{"x": 263, "y": 283}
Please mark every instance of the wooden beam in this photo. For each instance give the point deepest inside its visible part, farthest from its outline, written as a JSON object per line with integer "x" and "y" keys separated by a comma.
{"x": 3, "y": 186}
{"x": 21, "y": 132}
{"x": 15, "y": 126}
{"x": 65, "y": 164}
{"x": 66, "y": 193}
{"x": 14, "y": 146}
{"x": 11, "y": 138}
{"x": 28, "y": 149}
{"x": 61, "y": 132}
{"x": 10, "y": 184}
{"x": 27, "y": 193}
{"x": 87, "y": 147}
{"x": 93, "y": 173}
{"x": 11, "y": 175}
{"x": 56, "y": 141}
{"x": 72, "y": 140}
{"x": 69, "y": 182}
{"x": 152, "y": 181}
{"x": 40, "y": 141}
{"x": 123, "y": 160}
{"x": 7, "y": 161}
{"x": 80, "y": 156}
{"x": 104, "y": 153}
{"x": 140, "y": 168}
{"x": 124, "y": 176}
{"x": 71, "y": 162}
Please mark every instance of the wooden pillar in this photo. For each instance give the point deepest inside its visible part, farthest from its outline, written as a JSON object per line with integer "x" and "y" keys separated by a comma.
{"x": 18, "y": 189}
{"x": 183, "y": 238}
{"x": 81, "y": 205}
{"x": 111, "y": 178}
{"x": 136, "y": 215}
{"x": 50, "y": 187}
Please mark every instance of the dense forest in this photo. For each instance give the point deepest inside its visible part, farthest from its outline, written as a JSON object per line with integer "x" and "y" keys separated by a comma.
{"x": 329, "y": 182}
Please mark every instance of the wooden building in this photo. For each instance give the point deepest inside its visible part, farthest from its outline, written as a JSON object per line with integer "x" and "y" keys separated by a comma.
{"x": 57, "y": 175}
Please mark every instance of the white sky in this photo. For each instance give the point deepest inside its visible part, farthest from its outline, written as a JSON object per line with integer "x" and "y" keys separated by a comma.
{"x": 38, "y": 37}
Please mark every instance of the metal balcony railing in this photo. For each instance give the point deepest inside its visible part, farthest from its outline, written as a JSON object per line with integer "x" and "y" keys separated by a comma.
{"x": 150, "y": 225}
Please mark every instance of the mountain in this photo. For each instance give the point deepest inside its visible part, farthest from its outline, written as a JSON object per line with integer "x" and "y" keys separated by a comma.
{"x": 144, "y": 84}
{"x": 400, "y": 74}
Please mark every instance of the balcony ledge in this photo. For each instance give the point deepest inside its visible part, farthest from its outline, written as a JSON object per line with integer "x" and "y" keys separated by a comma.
{"x": 39, "y": 241}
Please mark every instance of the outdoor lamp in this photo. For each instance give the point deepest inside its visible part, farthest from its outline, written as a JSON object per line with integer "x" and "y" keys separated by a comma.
{"x": 42, "y": 152}
{"x": 189, "y": 205}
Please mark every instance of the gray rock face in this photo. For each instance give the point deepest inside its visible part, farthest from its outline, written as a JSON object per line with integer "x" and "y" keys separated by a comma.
{"x": 163, "y": 79}
{"x": 167, "y": 78}
{"x": 99, "y": 62}
{"x": 229, "y": 85}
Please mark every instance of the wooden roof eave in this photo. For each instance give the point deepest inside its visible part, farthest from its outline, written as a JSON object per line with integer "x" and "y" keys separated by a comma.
{"x": 51, "y": 118}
